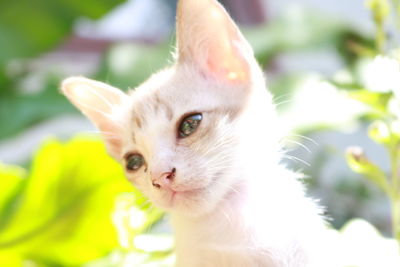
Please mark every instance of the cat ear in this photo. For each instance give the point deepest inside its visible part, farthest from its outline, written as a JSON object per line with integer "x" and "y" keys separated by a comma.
{"x": 98, "y": 101}
{"x": 207, "y": 36}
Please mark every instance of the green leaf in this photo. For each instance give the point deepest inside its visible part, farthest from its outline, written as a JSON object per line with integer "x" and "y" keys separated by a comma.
{"x": 314, "y": 104}
{"x": 359, "y": 163}
{"x": 11, "y": 182}
{"x": 30, "y": 109}
{"x": 67, "y": 205}
{"x": 299, "y": 29}
{"x": 28, "y": 28}
{"x": 379, "y": 131}
{"x": 376, "y": 100}
{"x": 11, "y": 258}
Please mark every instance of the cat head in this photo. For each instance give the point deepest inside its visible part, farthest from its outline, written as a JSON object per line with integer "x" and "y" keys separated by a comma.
{"x": 178, "y": 135}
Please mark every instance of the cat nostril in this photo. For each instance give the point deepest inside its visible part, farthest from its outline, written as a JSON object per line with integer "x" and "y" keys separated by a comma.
{"x": 171, "y": 175}
{"x": 156, "y": 185}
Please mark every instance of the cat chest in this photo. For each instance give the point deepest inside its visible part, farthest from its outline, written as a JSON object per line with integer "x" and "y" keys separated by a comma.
{"x": 223, "y": 257}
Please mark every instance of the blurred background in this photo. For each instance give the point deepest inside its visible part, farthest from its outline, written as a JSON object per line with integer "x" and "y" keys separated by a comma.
{"x": 63, "y": 202}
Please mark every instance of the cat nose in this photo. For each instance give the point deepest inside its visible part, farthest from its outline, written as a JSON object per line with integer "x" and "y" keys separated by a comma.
{"x": 164, "y": 180}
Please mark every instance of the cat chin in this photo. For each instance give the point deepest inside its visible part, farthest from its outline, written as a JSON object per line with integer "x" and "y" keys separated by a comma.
{"x": 199, "y": 202}
{"x": 188, "y": 203}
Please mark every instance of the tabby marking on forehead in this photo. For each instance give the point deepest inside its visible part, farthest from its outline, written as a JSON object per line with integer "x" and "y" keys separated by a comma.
{"x": 138, "y": 122}
{"x": 161, "y": 105}
{"x": 151, "y": 105}
{"x": 133, "y": 137}
{"x": 138, "y": 118}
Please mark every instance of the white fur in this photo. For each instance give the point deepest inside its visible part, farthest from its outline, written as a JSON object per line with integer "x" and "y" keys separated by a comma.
{"x": 246, "y": 208}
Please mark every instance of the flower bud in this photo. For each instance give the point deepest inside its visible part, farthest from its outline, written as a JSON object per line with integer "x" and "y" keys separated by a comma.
{"x": 379, "y": 132}
{"x": 379, "y": 8}
{"x": 359, "y": 163}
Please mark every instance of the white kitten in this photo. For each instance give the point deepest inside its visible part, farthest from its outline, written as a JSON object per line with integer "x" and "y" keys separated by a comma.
{"x": 201, "y": 140}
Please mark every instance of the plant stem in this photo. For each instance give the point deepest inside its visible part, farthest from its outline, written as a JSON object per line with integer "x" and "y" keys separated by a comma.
{"x": 380, "y": 37}
{"x": 396, "y": 5}
{"x": 394, "y": 158}
{"x": 395, "y": 192}
{"x": 396, "y": 219}
{"x": 380, "y": 10}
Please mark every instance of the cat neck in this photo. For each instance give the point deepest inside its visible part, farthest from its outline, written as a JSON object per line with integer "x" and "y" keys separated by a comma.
{"x": 265, "y": 215}
{"x": 224, "y": 220}
{"x": 242, "y": 212}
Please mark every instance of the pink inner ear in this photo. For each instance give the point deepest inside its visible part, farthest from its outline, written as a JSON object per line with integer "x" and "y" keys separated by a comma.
{"x": 114, "y": 146}
{"x": 227, "y": 64}
{"x": 208, "y": 37}
{"x": 111, "y": 133}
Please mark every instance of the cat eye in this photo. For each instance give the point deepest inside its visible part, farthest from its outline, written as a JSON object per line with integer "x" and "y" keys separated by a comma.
{"x": 189, "y": 125}
{"x": 134, "y": 162}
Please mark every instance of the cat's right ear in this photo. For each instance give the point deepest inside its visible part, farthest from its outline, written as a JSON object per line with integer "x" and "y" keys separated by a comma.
{"x": 99, "y": 102}
{"x": 208, "y": 38}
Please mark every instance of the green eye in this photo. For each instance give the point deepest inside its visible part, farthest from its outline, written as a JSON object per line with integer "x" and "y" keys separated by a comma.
{"x": 134, "y": 162}
{"x": 189, "y": 125}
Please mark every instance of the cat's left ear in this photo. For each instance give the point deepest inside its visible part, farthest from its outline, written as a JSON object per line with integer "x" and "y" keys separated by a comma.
{"x": 99, "y": 102}
{"x": 208, "y": 38}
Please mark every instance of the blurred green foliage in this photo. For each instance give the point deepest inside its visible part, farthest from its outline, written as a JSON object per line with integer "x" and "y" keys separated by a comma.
{"x": 19, "y": 110}
{"x": 380, "y": 90}
{"x": 73, "y": 207}
{"x": 59, "y": 213}
{"x": 49, "y": 218}
{"x": 29, "y": 28}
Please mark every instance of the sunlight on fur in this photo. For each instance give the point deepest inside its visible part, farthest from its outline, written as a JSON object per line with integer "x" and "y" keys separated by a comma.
{"x": 231, "y": 201}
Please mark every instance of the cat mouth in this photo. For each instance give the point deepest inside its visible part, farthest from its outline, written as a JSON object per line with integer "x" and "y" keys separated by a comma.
{"x": 182, "y": 196}
{"x": 179, "y": 196}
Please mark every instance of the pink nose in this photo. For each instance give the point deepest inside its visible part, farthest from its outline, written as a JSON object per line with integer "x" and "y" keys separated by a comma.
{"x": 164, "y": 180}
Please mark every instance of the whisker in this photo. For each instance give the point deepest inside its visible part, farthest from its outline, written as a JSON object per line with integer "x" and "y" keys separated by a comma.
{"x": 115, "y": 137}
{"x": 294, "y": 158}
{"x": 103, "y": 132}
{"x": 305, "y": 138}
{"x": 283, "y": 102}
{"x": 228, "y": 218}
{"x": 299, "y": 144}
{"x": 112, "y": 137}
{"x": 217, "y": 147}
{"x": 275, "y": 99}
{"x": 287, "y": 151}
{"x": 229, "y": 187}
{"x": 102, "y": 98}
{"x": 221, "y": 166}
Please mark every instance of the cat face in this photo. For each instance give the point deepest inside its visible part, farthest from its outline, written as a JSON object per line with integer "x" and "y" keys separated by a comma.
{"x": 178, "y": 135}
{"x": 186, "y": 141}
